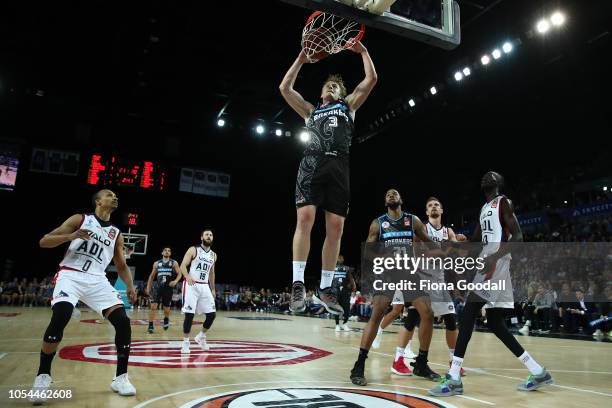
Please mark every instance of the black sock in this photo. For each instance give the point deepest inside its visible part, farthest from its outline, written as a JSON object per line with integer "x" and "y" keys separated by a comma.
{"x": 150, "y": 322}
{"x": 122, "y": 359}
{"x": 363, "y": 354}
{"x": 337, "y": 319}
{"x": 166, "y": 319}
{"x": 45, "y": 363}
{"x": 422, "y": 357}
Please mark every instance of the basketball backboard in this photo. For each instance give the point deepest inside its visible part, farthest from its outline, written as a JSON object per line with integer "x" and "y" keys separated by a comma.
{"x": 434, "y": 22}
{"x": 135, "y": 244}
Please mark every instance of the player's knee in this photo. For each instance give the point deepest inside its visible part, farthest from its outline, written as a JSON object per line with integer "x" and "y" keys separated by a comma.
{"x": 408, "y": 325}
{"x": 187, "y": 322}
{"x": 426, "y": 314}
{"x": 450, "y": 322}
{"x": 123, "y": 329}
{"x": 334, "y": 226}
{"x": 59, "y": 320}
{"x": 411, "y": 320}
{"x": 495, "y": 323}
{"x": 305, "y": 218}
{"x": 379, "y": 305}
{"x": 210, "y": 318}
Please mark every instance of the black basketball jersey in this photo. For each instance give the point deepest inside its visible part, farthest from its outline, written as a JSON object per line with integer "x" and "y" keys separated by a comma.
{"x": 396, "y": 232}
{"x": 331, "y": 129}
{"x": 341, "y": 281}
{"x": 165, "y": 272}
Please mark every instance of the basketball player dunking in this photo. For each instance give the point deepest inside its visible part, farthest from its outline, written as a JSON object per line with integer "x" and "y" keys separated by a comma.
{"x": 343, "y": 284}
{"x": 323, "y": 174}
{"x": 168, "y": 274}
{"x": 497, "y": 221}
{"x": 441, "y": 301}
{"x": 199, "y": 289}
{"x": 397, "y": 228}
{"x": 94, "y": 242}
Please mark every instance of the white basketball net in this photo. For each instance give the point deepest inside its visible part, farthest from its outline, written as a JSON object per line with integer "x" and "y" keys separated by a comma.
{"x": 326, "y": 33}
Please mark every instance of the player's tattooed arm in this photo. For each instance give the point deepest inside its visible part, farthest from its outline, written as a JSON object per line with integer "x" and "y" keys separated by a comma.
{"x": 68, "y": 231}
{"x": 291, "y": 96}
{"x": 150, "y": 280}
{"x": 122, "y": 269}
{"x": 189, "y": 255}
{"x": 362, "y": 91}
{"x": 374, "y": 231}
{"x": 179, "y": 275}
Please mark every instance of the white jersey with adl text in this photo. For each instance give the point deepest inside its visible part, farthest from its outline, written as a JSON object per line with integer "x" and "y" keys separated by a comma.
{"x": 202, "y": 264}
{"x": 494, "y": 232}
{"x": 81, "y": 276}
{"x": 94, "y": 255}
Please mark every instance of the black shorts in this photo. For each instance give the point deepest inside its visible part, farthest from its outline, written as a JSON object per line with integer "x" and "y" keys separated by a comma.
{"x": 162, "y": 295}
{"x": 323, "y": 181}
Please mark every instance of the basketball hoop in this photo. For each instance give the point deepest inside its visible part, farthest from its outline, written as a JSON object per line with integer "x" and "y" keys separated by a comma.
{"x": 128, "y": 250}
{"x": 326, "y": 34}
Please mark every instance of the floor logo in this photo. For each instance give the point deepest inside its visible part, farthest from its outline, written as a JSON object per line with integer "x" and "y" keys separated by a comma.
{"x": 222, "y": 353}
{"x": 317, "y": 397}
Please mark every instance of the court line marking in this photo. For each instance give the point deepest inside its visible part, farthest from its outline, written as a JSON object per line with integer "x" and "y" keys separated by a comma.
{"x": 512, "y": 378}
{"x": 18, "y": 352}
{"x": 551, "y": 370}
{"x": 152, "y": 400}
{"x": 426, "y": 389}
{"x": 225, "y": 370}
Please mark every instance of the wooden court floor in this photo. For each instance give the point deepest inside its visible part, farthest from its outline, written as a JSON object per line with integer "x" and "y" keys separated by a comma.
{"x": 254, "y": 362}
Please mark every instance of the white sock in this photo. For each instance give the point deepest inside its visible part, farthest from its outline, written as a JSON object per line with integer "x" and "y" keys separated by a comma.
{"x": 532, "y": 365}
{"x": 528, "y": 323}
{"x": 380, "y": 330}
{"x": 186, "y": 339}
{"x": 298, "y": 271}
{"x": 326, "y": 279}
{"x": 408, "y": 346}
{"x": 202, "y": 334}
{"x": 455, "y": 368}
{"x": 451, "y": 352}
{"x": 399, "y": 353}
